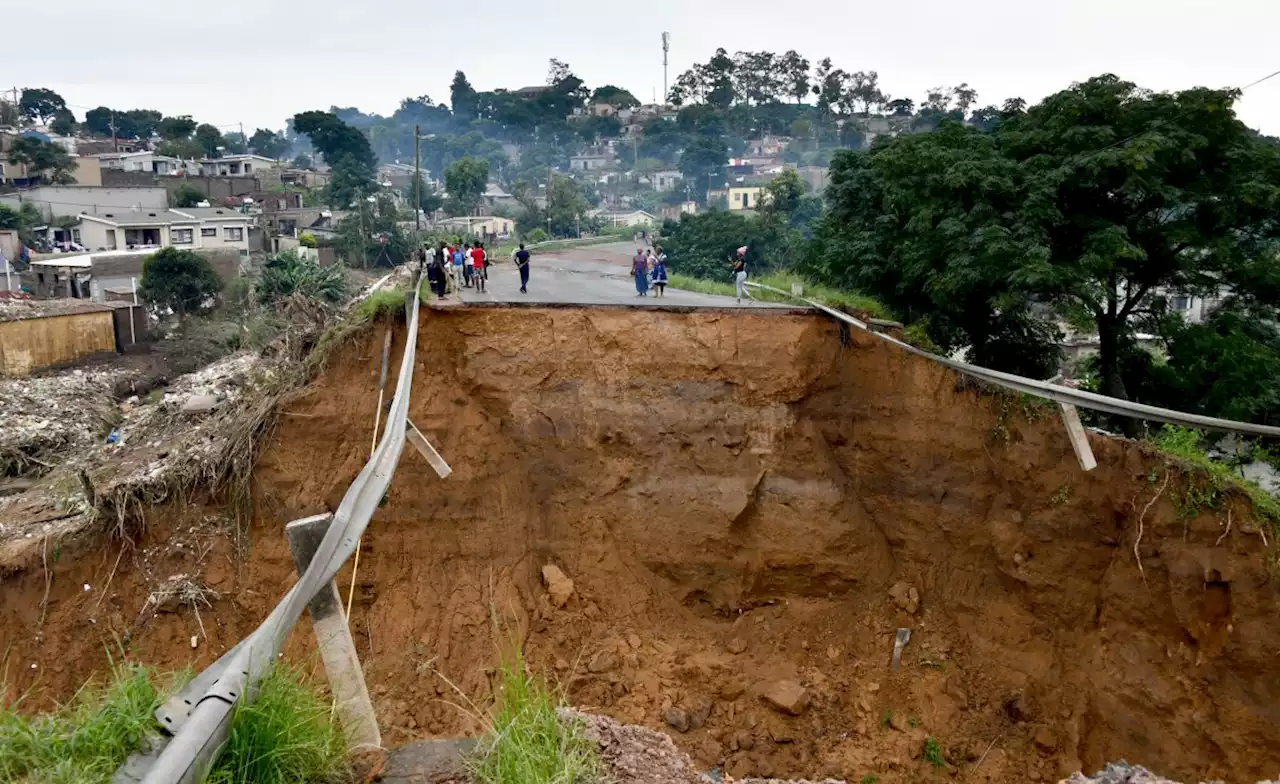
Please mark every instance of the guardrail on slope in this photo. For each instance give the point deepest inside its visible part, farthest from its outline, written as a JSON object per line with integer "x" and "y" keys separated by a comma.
{"x": 1044, "y": 389}
{"x": 199, "y": 717}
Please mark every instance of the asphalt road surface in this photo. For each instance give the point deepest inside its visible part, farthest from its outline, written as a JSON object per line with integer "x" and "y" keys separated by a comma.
{"x": 593, "y": 275}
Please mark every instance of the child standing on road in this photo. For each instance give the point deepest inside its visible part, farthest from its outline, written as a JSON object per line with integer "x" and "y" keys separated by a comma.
{"x": 660, "y": 272}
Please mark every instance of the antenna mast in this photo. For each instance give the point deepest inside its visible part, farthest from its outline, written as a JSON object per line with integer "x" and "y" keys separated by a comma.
{"x": 666, "y": 46}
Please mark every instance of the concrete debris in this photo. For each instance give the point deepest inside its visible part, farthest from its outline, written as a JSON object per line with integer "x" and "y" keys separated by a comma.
{"x": 787, "y": 696}
{"x": 200, "y": 404}
{"x": 1123, "y": 773}
{"x": 559, "y": 587}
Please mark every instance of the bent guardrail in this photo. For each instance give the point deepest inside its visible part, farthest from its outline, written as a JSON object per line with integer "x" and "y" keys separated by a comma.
{"x": 199, "y": 717}
{"x": 1045, "y": 389}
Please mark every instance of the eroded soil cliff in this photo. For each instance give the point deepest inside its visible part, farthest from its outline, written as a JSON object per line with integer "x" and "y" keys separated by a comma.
{"x": 733, "y": 496}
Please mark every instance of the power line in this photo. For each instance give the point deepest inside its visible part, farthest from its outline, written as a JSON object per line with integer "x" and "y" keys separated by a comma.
{"x": 1260, "y": 81}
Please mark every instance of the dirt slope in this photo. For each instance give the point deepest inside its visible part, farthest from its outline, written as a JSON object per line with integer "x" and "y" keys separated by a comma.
{"x": 733, "y": 497}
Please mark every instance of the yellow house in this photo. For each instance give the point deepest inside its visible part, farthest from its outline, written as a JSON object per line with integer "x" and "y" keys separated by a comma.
{"x": 746, "y": 197}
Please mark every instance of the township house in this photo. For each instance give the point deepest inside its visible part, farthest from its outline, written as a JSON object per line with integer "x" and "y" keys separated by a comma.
{"x": 190, "y": 227}
{"x": 236, "y": 166}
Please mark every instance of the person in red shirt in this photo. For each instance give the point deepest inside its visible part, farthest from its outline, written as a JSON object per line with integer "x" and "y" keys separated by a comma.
{"x": 482, "y": 269}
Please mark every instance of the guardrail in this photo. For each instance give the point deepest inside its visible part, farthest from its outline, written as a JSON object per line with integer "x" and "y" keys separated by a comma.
{"x": 1045, "y": 389}
{"x": 199, "y": 717}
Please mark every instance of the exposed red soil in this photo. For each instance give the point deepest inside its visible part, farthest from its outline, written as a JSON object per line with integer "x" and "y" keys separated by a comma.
{"x": 733, "y": 495}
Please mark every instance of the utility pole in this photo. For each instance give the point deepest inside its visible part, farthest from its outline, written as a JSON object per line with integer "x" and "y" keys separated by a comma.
{"x": 666, "y": 46}
{"x": 417, "y": 178}
{"x": 115, "y": 141}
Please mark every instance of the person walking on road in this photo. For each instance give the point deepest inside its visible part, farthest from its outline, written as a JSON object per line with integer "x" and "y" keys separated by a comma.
{"x": 739, "y": 265}
{"x": 659, "y": 273}
{"x": 522, "y": 261}
{"x": 469, "y": 264}
{"x": 640, "y": 271}
{"x": 481, "y": 273}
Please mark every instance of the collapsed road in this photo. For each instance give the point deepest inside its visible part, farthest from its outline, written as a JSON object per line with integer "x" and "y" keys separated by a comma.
{"x": 742, "y": 507}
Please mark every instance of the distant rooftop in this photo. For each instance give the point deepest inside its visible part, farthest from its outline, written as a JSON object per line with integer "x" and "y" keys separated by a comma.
{"x": 21, "y": 309}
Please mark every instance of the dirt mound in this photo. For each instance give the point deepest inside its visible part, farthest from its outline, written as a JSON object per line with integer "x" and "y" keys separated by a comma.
{"x": 748, "y": 507}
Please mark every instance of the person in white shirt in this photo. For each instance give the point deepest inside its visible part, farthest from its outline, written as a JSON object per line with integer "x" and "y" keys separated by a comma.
{"x": 469, "y": 265}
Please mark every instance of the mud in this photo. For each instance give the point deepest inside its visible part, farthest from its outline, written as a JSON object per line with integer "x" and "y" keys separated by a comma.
{"x": 733, "y": 497}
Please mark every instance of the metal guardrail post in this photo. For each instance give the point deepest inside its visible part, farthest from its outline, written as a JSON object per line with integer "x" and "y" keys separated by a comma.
{"x": 333, "y": 638}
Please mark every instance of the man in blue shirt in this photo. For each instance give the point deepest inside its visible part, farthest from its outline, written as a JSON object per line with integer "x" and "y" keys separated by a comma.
{"x": 522, "y": 261}
{"x": 457, "y": 268}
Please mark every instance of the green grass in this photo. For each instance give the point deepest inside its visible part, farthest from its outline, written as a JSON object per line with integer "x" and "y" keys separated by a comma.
{"x": 85, "y": 740}
{"x": 932, "y": 752}
{"x": 380, "y": 302}
{"x": 286, "y": 736}
{"x": 1200, "y": 491}
{"x": 850, "y": 301}
{"x": 870, "y": 778}
{"x": 527, "y": 741}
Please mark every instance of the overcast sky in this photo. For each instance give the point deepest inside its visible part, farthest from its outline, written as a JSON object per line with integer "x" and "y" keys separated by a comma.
{"x": 257, "y": 62}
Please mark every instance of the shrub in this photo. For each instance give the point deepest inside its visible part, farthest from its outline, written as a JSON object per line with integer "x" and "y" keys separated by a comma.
{"x": 187, "y": 195}
{"x": 537, "y": 235}
{"x": 181, "y": 280}
{"x": 288, "y": 274}
{"x": 308, "y": 241}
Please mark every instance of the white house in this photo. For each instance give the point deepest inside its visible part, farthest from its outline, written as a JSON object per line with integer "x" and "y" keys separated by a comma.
{"x": 667, "y": 180}
{"x": 149, "y": 162}
{"x": 638, "y": 218}
{"x": 590, "y": 162}
{"x": 236, "y": 165}
{"x": 190, "y": 227}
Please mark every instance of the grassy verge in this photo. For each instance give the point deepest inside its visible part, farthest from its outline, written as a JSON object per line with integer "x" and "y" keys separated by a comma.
{"x": 286, "y": 736}
{"x": 836, "y": 298}
{"x": 1205, "y": 491}
{"x": 380, "y": 302}
{"x": 527, "y": 740}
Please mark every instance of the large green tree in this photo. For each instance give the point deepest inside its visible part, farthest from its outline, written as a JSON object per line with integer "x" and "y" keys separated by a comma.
{"x": 464, "y": 182}
{"x": 179, "y": 279}
{"x": 268, "y": 143}
{"x": 174, "y": 129}
{"x": 210, "y": 139}
{"x": 45, "y": 161}
{"x": 39, "y": 103}
{"x": 1097, "y": 199}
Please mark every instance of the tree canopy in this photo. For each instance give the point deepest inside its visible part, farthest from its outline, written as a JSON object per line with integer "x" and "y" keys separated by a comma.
{"x": 41, "y": 104}
{"x": 44, "y": 160}
{"x": 1099, "y": 198}
{"x": 464, "y": 183}
{"x": 182, "y": 280}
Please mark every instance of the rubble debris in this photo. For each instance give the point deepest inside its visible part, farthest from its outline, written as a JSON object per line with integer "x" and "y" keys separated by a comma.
{"x": 559, "y": 587}
{"x": 905, "y": 597}
{"x": 1123, "y": 773}
{"x": 787, "y": 696}
{"x": 47, "y": 417}
{"x": 200, "y": 404}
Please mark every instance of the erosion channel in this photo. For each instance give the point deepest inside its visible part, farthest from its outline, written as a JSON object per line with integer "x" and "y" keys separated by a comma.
{"x": 740, "y": 499}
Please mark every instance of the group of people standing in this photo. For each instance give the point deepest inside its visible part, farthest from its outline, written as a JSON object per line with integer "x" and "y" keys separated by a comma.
{"x": 463, "y": 266}
{"x": 455, "y": 268}
{"x": 650, "y": 266}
